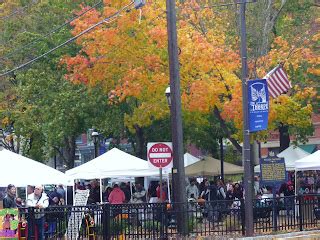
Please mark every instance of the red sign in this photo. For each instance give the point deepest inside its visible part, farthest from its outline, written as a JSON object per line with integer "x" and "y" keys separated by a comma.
{"x": 160, "y": 154}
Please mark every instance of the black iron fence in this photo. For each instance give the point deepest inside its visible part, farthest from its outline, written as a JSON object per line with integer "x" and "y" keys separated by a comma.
{"x": 158, "y": 220}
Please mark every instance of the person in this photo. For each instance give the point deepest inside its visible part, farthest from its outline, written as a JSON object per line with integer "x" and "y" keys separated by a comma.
{"x": 9, "y": 200}
{"x": 164, "y": 194}
{"x": 117, "y": 195}
{"x": 30, "y": 189}
{"x": 107, "y": 193}
{"x": 52, "y": 217}
{"x": 94, "y": 194}
{"x": 237, "y": 191}
{"x": 192, "y": 190}
{"x": 288, "y": 193}
{"x": 61, "y": 191}
{"x": 152, "y": 192}
{"x": 221, "y": 195}
{"x": 39, "y": 200}
{"x": 140, "y": 194}
{"x": 125, "y": 187}
{"x": 211, "y": 201}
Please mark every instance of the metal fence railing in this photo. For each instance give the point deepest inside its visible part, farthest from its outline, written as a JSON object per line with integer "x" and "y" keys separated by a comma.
{"x": 159, "y": 220}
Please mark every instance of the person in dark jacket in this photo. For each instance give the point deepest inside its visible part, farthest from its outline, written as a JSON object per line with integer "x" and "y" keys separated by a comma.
{"x": 9, "y": 200}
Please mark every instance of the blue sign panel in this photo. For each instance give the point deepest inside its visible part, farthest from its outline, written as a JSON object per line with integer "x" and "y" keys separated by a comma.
{"x": 258, "y": 103}
{"x": 272, "y": 170}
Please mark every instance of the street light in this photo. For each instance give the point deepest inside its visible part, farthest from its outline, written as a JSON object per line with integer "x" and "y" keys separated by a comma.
{"x": 95, "y": 139}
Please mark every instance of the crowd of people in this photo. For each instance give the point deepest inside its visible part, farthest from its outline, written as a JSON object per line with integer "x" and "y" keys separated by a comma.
{"x": 38, "y": 199}
{"x": 126, "y": 192}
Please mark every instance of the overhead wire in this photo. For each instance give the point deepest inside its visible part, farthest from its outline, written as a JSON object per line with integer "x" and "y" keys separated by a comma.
{"x": 105, "y": 20}
{"x": 51, "y": 32}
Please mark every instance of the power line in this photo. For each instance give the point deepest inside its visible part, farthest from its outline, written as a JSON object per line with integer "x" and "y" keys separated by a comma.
{"x": 50, "y": 33}
{"x": 106, "y": 20}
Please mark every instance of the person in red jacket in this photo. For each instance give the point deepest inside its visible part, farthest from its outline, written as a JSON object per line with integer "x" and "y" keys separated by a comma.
{"x": 117, "y": 195}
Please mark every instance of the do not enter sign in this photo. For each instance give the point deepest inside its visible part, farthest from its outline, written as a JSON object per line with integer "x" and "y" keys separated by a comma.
{"x": 160, "y": 154}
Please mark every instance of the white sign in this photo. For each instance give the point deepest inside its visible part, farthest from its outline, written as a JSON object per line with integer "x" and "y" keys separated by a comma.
{"x": 160, "y": 155}
{"x": 75, "y": 219}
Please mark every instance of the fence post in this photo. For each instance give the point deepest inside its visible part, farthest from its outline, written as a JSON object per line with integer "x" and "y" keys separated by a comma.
{"x": 163, "y": 220}
{"x": 31, "y": 223}
{"x": 242, "y": 214}
{"x": 300, "y": 199}
{"x": 106, "y": 221}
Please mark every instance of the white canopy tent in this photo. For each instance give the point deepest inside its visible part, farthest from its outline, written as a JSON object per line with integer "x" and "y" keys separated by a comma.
{"x": 114, "y": 163}
{"x": 22, "y": 171}
{"x": 311, "y": 162}
{"x": 189, "y": 159}
{"x": 290, "y": 155}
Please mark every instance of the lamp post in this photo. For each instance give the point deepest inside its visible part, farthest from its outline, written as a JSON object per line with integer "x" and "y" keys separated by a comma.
{"x": 248, "y": 184}
{"x": 95, "y": 139}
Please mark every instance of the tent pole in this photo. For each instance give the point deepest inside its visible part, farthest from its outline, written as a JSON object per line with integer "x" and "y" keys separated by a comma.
{"x": 168, "y": 186}
{"x": 73, "y": 193}
{"x": 66, "y": 196}
{"x": 101, "y": 201}
{"x": 131, "y": 191}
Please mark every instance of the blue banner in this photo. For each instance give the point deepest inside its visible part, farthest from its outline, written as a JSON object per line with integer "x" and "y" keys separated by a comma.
{"x": 258, "y": 104}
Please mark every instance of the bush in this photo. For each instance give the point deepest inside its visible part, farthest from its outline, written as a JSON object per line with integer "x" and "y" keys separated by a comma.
{"x": 152, "y": 225}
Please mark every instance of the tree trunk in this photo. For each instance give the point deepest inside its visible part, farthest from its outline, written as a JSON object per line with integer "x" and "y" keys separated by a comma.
{"x": 140, "y": 143}
{"x": 284, "y": 137}
{"x": 69, "y": 151}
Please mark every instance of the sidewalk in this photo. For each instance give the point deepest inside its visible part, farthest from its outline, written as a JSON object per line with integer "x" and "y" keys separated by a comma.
{"x": 309, "y": 235}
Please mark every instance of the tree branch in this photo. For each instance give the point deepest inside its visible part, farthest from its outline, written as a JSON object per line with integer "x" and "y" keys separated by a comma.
{"x": 226, "y": 130}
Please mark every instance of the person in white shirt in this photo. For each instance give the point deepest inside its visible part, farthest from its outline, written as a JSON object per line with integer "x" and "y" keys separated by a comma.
{"x": 39, "y": 200}
{"x": 192, "y": 190}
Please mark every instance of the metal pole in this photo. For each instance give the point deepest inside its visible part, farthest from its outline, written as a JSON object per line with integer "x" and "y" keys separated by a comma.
{"x": 221, "y": 158}
{"x": 176, "y": 118}
{"x": 246, "y": 134}
{"x": 160, "y": 185}
{"x": 95, "y": 149}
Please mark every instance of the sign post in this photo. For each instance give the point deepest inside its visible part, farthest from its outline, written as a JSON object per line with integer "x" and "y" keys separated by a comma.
{"x": 160, "y": 156}
{"x": 273, "y": 172}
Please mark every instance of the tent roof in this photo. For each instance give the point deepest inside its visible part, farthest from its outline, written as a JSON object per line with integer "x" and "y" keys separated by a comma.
{"x": 114, "y": 163}
{"x": 189, "y": 159}
{"x": 211, "y": 167}
{"x": 22, "y": 171}
{"x": 311, "y": 162}
{"x": 290, "y": 155}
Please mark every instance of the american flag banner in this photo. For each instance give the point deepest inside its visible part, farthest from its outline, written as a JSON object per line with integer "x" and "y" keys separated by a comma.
{"x": 278, "y": 81}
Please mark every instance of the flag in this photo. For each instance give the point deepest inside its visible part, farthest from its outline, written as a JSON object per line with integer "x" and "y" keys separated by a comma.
{"x": 277, "y": 81}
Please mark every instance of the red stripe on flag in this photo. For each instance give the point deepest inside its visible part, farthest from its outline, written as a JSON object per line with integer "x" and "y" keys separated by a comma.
{"x": 278, "y": 82}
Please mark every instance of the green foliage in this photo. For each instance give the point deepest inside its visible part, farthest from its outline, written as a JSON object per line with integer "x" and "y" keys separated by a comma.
{"x": 118, "y": 226}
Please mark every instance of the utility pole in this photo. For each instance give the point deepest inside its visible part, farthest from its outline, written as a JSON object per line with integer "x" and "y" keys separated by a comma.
{"x": 246, "y": 134}
{"x": 178, "y": 173}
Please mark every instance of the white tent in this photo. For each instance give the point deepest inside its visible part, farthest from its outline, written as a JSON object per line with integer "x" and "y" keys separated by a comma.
{"x": 22, "y": 171}
{"x": 290, "y": 155}
{"x": 311, "y": 162}
{"x": 189, "y": 159}
{"x": 114, "y": 163}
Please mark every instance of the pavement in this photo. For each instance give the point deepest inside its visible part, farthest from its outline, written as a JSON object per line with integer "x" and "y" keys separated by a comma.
{"x": 308, "y": 235}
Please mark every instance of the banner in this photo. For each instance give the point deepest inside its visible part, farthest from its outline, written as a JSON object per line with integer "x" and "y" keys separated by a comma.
{"x": 258, "y": 103}
{"x": 9, "y": 223}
